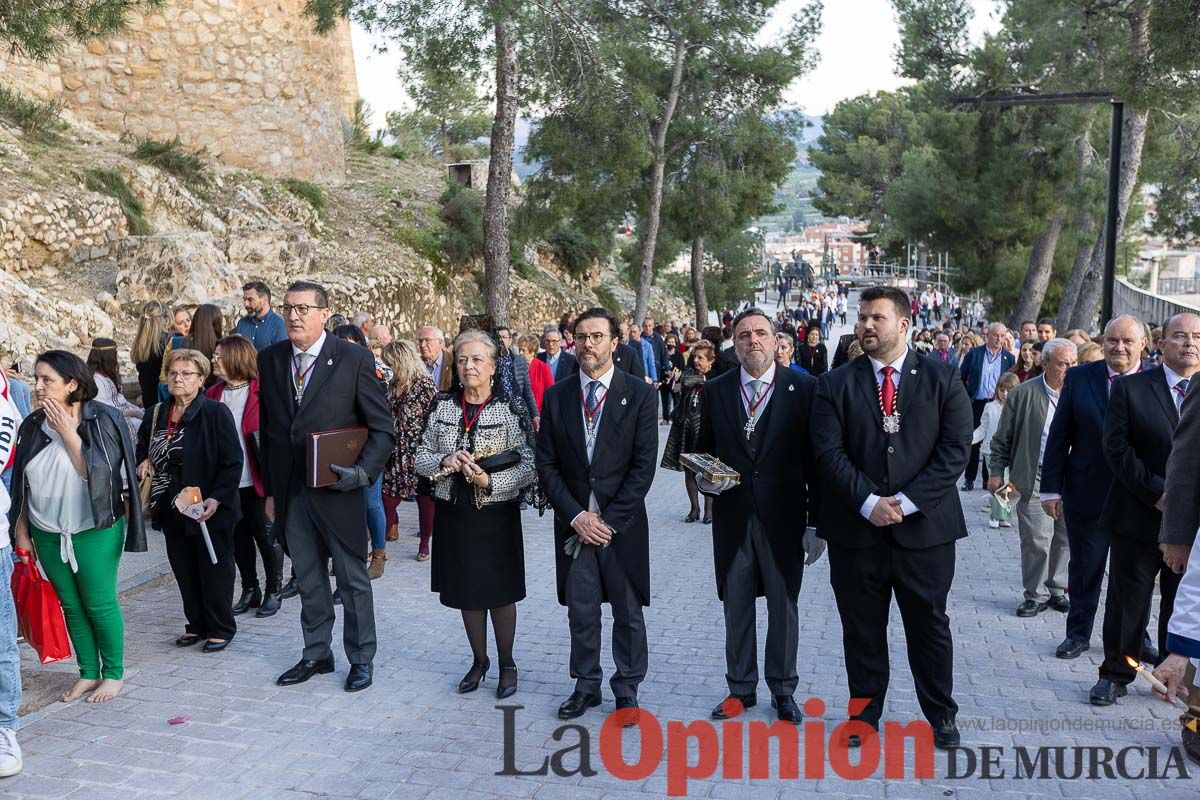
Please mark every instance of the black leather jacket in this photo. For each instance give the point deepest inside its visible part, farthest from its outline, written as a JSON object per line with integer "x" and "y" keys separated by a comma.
{"x": 107, "y": 447}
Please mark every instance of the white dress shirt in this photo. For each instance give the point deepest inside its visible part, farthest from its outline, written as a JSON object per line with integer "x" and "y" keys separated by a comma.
{"x": 1051, "y": 406}
{"x": 906, "y": 506}
{"x": 1173, "y": 378}
{"x": 313, "y": 350}
{"x": 601, "y": 395}
{"x": 768, "y": 389}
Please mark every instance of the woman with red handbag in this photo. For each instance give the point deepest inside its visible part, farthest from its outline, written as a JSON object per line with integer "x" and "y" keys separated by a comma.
{"x": 74, "y": 458}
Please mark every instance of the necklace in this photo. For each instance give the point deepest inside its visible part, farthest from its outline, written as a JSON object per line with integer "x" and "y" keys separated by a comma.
{"x": 468, "y": 422}
{"x": 752, "y": 406}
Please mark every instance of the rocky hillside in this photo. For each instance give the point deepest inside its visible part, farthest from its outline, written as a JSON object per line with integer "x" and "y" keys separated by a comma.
{"x": 88, "y": 233}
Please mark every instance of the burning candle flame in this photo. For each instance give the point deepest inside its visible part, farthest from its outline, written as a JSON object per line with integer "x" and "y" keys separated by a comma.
{"x": 1132, "y": 663}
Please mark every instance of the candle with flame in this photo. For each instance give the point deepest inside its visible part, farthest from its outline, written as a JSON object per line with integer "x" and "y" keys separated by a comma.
{"x": 190, "y": 503}
{"x": 1155, "y": 682}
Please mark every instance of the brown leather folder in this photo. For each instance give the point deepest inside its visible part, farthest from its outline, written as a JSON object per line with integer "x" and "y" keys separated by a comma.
{"x": 341, "y": 447}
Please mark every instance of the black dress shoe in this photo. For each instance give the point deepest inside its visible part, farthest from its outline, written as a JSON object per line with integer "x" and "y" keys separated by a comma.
{"x": 706, "y": 521}
{"x": 968, "y": 486}
{"x": 692, "y": 516}
{"x": 854, "y": 740}
{"x": 1031, "y": 608}
{"x": 629, "y": 706}
{"x": 337, "y": 597}
{"x": 786, "y": 709}
{"x": 577, "y": 704}
{"x": 1071, "y": 648}
{"x": 187, "y": 640}
{"x": 469, "y": 684}
{"x": 747, "y": 701}
{"x": 216, "y": 647}
{"x": 270, "y": 605}
{"x": 359, "y": 677}
{"x": 945, "y": 736}
{"x": 1151, "y": 655}
{"x": 1059, "y": 602}
{"x": 251, "y": 598}
{"x": 290, "y": 589}
{"x": 305, "y": 670}
{"x": 1190, "y": 740}
{"x": 1106, "y": 692}
{"x": 503, "y": 691}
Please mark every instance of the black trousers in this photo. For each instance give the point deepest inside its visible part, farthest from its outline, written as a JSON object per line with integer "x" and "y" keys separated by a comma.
{"x": 254, "y": 531}
{"x": 311, "y": 547}
{"x": 755, "y": 563}
{"x": 1132, "y": 568}
{"x": 973, "y": 461}
{"x": 595, "y": 573}
{"x": 1088, "y": 541}
{"x": 864, "y": 581}
{"x": 665, "y": 392}
{"x": 205, "y": 588}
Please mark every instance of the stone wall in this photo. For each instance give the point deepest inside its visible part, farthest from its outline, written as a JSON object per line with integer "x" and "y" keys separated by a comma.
{"x": 247, "y": 80}
{"x": 39, "y": 232}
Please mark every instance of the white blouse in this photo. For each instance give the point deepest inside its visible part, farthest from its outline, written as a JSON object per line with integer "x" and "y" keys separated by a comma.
{"x": 59, "y": 500}
{"x": 107, "y": 393}
{"x": 235, "y": 400}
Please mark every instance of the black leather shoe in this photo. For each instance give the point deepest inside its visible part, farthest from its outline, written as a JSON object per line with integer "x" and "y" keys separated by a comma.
{"x": 628, "y": 706}
{"x": 251, "y": 598}
{"x": 1059, "y": 602}
{"x": 1106, "y": 692}
{"x": 1151, "y": 655}
{"x": 290, "y": 589}
{"x": 187, "y": 640}
{"x": 1031, "y": 608}
{"x": 1071, "y": 648}
{"x": 503, "y": 692}
{"x": 337, "y": 597}
{"x": 854, "y": 740}
{"x": 786, "y": 709}
{"x": 747, "y": 701}
{"x": 270, "y": 605}
{"x": 359, "y": 677}
{"x": 577, "y": 704}
{"x": 469, "y": 684}
{"x": 706, "y": 521}
{"x": 305, "y": 670}
{"x": 692, "y": 516}
{"x": 216, "y": 647}
{"x": 968, "y": 486}
{"x": 1190, "y": 740}
{"x": 945, "y": 736}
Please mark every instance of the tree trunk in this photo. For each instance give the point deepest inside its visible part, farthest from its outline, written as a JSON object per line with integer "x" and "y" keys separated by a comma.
{"x": 699, "y": 296}
{"x": 1037, "y": 276}
{"x": 499, "y": 184}
{"x": 1085, "y": 224}
{"x": 654, "y": 211}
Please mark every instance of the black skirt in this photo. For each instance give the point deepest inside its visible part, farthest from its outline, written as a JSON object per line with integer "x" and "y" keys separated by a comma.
{"x": 685, "y": 430}
{"x": 478, "y": 555}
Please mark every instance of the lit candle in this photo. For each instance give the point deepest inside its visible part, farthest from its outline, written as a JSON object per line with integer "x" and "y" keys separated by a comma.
{"x": 1155, "y": 682}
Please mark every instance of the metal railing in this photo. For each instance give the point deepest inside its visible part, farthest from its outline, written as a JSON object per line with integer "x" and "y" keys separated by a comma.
{"x": 1129, "y": 299}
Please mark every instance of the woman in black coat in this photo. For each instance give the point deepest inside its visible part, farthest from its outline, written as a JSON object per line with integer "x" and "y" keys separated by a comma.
{"x": 685, "y": 428}
{"x": 192, "y": 441}
{"x": 811, "y": 354}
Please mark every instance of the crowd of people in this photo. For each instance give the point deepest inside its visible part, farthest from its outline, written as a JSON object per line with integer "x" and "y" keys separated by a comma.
{"x": 860, "y": 455}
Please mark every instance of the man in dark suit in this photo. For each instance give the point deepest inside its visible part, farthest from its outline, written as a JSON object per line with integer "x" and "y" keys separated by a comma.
{"x": 1181, "y": 516}
{"x": 316, "y": 382}
{"x": 756, "y": 420}
{"x": 981, "y": 367}
{"x": 841, "y": 354}
{"x": 562, "y": 364}
{"x": 627, "y": 359}
{"x": 596, "y": 456}
{"x": 431, "y": 342}
{"x": 891, "y": 434}
{"x": 1142, "y": 413}
{"x": 1076, "y": 477}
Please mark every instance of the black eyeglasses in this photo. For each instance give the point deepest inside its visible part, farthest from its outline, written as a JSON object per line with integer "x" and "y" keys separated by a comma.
{"x": 301, "y": 310}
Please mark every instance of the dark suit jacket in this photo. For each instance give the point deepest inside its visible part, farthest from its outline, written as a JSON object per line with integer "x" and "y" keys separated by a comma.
{"x": 841, "y": 354}
{"x": 628, "y": 359}
{"x": 1138, "y": 428}
{"x": 1182, "y": 515}
{"x": 659, "y": 348}
{"x": 726, "y": 361}
{"x": 566, "y": 367}
{"x": 923, "y": 460}
{"x": 1074, "y": 465}
{"x": 342, "y": 393}
{"x": 813, "y": 359}
{"x": 620, "y": 474}
{"x": 972, "y": 367}
{"x": 778, "y": 484}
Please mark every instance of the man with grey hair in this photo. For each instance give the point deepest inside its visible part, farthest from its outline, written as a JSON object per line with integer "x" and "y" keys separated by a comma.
{"x": 981, "y": 367}
{"x": 362, "y": 320}
{"x": 1018, "y": 447}
{"x": 431, "y": 343}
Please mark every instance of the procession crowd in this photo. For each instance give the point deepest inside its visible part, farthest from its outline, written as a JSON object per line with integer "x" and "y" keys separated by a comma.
{"x": 1087, "y": 444}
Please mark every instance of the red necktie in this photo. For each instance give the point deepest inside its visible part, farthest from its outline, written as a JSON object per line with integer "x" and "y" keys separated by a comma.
{"x": 888, "y": 391}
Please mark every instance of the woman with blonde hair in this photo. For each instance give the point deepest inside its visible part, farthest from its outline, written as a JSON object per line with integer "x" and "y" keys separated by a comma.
{"x": 149, "y": 344}
{"x": 409, "y": 395}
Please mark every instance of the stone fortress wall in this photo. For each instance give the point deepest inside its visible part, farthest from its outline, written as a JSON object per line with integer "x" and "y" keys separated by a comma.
{"x": 249, "y": 81}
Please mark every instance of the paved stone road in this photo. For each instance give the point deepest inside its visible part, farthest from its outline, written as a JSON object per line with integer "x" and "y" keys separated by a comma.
{"x": 412, "y": 736}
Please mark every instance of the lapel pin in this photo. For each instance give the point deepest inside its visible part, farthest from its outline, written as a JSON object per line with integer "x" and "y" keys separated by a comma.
{"x": 330, "y": 363}
{"x": 624, "y": 401}
{"x": 791, "y": 387}
{"x": 912, "y": 372}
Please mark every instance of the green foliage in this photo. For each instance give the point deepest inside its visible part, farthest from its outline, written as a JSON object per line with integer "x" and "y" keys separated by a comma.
{"x": 37, "y": 119}
{"x": 170, "y": 156}
{"x": 608, "y": 299}
{"x": 112, "y": 183}
{"x": 577, "y": 251}
{"x": 462, "y": 225}
{"x": 40, "y": 28}
{"x": 307, "y": 191}
{"x": 450, "y": 115}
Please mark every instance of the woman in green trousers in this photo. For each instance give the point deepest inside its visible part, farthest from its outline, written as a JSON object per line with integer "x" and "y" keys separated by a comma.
{"x": 74, "y": 457}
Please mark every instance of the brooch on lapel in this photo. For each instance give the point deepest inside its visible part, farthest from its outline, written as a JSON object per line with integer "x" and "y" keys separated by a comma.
{"x": 624, "y": 401}
{"x": 791, "y": 387}
{"x": 329, "y": 362}
{"x": 912, "y": 372}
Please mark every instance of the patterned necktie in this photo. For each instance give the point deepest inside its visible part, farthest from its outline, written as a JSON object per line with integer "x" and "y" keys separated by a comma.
{"x": 755, "y": 396}
{"x": 1180, "y": 390}
{"x": 887, "y": 391}
{"x": 591, "y": 396}
{"x": 302, "y": 373}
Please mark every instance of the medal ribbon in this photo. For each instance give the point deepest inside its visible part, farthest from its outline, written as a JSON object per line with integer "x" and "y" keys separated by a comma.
{"x": 752, "y": 405}
{"x": 887, "y": 396}
{"x": 301, "y": 377}
{"x": 469, "y": 422}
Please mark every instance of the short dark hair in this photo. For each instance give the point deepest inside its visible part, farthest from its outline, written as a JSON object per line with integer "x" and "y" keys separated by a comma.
{"x": 351, "y": 333}
{"x": 614, "y": 327}
{"x": 1025, "y": 322}
{"x": 727, "y": 332}
{"x": 503, "y": 328}
{"x": 70, "y": 367}
{"x": 1046, "y": 321}
{"x": 752, "y": 311}
{"x": 899, "y": 298}
{"x": 309, "y": 286}
{"x": 257, "y": 286}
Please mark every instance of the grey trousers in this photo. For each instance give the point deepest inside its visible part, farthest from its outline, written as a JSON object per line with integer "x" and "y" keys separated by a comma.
{"x": 597, "y": 570}
{"x": 754, "y": 562}
{"x": 310, "y": 547}
{"x": 1045, "y": 553}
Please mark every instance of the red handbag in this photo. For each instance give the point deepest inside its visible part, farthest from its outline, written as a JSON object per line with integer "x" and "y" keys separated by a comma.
{"x": 39, "y": 614}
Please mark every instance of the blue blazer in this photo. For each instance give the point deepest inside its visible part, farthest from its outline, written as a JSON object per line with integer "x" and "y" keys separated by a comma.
{"x": 972, "y": 368}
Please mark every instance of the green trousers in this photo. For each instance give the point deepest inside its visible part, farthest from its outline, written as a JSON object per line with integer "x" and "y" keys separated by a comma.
{"x": 89, "y": 596}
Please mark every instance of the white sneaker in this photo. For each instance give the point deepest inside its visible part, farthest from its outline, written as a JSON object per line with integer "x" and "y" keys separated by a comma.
{"x": 993, "y": 523}
{"x": 10, "y": 753}
{"x": 1005, "y": 524}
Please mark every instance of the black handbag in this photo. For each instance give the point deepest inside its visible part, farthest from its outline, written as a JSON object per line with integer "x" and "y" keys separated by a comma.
{"x": 499, "y": 461}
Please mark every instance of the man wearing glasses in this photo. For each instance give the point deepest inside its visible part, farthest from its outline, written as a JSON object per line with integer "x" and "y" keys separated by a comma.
{"x": 315, "y": 382}
{"x": 562, "y": 364}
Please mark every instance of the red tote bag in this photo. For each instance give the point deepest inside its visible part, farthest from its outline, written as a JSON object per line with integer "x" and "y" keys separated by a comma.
{"x": 39, "y": 614}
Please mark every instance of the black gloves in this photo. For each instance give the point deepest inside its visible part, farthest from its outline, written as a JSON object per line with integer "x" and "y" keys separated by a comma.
{"x": 349, "y": 478}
